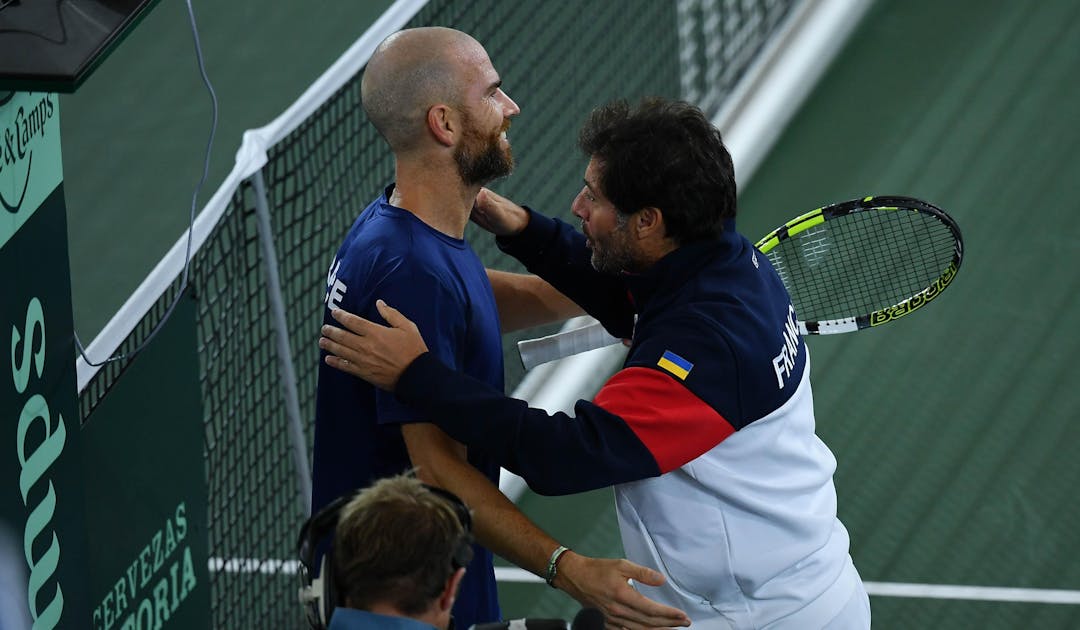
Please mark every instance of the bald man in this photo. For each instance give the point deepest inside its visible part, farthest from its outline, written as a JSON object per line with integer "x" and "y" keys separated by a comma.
{"x": 434, "y": 96}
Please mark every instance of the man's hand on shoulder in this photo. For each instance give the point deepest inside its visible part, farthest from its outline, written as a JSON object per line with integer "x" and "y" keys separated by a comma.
{"x": 378, "y": 354}
{"x": 497, "y": 214}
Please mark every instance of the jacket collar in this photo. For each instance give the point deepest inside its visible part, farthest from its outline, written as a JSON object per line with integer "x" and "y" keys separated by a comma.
{"x": 677, "y": 267}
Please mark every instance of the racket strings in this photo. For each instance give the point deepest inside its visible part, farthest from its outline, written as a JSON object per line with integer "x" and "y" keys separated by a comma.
{"x": 862, "y": 262}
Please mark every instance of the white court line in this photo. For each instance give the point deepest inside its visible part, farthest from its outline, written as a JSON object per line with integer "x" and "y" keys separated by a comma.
{"x": 254, "y": 565}
{"x": 981, "y": 593}
{"x": 895, "y": 589}
{"x": 877, "y": 589}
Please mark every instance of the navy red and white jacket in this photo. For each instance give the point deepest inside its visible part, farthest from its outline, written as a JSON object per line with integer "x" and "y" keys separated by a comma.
{"x": 707, "y": 432}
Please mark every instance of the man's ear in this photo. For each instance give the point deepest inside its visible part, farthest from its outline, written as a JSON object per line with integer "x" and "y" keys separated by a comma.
{"x": 443, "y": 122}
{"x": 649, "y": 222}
{"x": 449, "y": 593}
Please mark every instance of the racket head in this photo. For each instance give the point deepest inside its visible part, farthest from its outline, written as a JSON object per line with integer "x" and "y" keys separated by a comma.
{"x": 865, "y": 262}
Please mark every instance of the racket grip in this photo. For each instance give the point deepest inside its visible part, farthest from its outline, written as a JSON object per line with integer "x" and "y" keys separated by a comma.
{"x": 563, "y": 344}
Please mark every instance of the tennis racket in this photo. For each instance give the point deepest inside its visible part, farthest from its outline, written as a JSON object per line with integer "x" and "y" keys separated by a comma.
{"x": 849, "y": 266}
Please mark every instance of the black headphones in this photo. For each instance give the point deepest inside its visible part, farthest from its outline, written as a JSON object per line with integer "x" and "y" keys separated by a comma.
{"x": 318, "y": 595}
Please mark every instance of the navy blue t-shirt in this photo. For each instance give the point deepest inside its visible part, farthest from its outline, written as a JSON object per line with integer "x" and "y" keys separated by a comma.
{"x": 439, "y": 283}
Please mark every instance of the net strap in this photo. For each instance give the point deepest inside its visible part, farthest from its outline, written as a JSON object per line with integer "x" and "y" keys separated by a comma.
{"x": 287, "y": 371}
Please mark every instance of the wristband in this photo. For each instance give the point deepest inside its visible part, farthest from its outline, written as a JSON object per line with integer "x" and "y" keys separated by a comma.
{"x": 553, "y": 565}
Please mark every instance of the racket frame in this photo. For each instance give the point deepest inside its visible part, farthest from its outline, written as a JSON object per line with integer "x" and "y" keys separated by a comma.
{"x": 890, "y": 313}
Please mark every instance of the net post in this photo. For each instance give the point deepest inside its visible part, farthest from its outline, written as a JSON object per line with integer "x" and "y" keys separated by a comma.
{"x": 281, "y": 333}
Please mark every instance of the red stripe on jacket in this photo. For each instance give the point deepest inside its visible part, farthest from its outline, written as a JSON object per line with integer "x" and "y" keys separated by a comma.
{"x": 674, "y": 424}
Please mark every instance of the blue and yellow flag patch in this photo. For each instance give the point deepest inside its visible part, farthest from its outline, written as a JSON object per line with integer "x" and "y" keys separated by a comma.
{"x": 678, "y": 366}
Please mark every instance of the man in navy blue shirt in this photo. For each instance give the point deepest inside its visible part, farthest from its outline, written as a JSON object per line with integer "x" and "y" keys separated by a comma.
{"x": 434, "y": 96}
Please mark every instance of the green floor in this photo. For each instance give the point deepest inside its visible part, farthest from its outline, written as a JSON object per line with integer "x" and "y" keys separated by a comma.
{"x": 953, "y": 429}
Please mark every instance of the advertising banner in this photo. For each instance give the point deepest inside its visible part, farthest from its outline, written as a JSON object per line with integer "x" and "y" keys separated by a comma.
{"x": 42, "y": 533}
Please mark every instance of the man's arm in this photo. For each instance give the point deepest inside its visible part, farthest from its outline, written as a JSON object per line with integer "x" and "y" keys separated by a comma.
{"x": 642, "y": 424}
{"x": 503, "y": 529}
{"x": 556, "y": 252}
{"x": 498, "y": 215}
{"x": 525, "y": 300}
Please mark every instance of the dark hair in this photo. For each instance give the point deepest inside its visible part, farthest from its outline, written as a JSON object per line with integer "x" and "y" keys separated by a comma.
{"x": 663, "y": 154}
{"x": 398, "y": 542}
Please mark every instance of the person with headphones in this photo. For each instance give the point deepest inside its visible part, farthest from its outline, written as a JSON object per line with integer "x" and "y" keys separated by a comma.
{"x": 398, "y": 555}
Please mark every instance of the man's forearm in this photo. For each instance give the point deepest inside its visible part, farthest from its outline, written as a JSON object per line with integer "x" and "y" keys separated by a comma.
{"x": 554, "y": 251}
{"x": 503, "y": 529}
{"x": 498, "y": 524}
{"x": 526, "y": 300}
{"x": 594, "y": 582}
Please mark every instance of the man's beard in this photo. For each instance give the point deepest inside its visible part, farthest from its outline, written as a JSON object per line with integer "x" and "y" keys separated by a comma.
{"x": 614, "y": 255}
{"x": 481, "y": 160}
